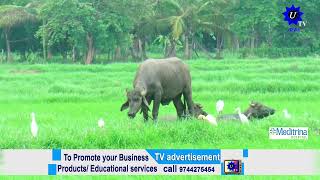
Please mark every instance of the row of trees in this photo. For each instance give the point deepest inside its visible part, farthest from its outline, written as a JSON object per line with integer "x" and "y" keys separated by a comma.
{"x": 83, "y": 29}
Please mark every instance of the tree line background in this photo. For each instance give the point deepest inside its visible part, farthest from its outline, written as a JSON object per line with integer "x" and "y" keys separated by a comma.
{"x": 100, "y": 31}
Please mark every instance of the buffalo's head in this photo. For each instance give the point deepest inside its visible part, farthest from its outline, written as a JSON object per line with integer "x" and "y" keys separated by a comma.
{"x": 135, "y": 100}
{"x": 258, "y": 110}
{"x": 198, "y": 110}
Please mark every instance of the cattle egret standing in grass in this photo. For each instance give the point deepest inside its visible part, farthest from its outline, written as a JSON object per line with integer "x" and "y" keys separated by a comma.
{"x": 243, "y": 118}
{"x": 208, "y": 118}
{"x": 101, "y": 123}
{"x": 34, "y": 126}
{"x": 286, "y": 114}
{"x": 219, "y": 106}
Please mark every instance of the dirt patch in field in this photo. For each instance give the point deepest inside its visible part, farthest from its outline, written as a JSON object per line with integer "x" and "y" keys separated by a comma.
{"x": 30, "y": 71}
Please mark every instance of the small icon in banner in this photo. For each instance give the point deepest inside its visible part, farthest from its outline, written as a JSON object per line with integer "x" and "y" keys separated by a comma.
{"x": 232, "y": 167}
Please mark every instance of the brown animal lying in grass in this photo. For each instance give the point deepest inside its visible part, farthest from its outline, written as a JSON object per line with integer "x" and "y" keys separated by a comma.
{"x": 198, "y": 110}
{"x": 256, "y": 110}
{"x": 199, "y": 113}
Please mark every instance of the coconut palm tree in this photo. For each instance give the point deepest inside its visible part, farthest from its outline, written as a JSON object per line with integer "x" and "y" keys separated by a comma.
{"x": 183, "y": 19}
{"x": 12, "y": 16}
{"x": 187, "y": 17}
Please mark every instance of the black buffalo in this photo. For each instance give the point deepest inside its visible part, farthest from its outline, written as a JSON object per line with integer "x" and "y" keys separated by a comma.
{"x": 160, "y": 81}
{"x": 198, "y": 110}
{"x": 256, "y": 110}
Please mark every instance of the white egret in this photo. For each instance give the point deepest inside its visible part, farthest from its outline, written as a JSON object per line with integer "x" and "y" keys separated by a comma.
{"x": 212, "y": 120}
{"x": 34, "y": 126}
{"x": 243, "y": 118}
{"x": 208, "y": 118}
{"x": 219, "y": 106}
{"x": 286, "y": 114}
{"x": 101, "y": 123}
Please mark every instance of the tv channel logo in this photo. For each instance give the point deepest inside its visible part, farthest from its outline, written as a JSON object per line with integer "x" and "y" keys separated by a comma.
{"x": 293, "y": 15}
{"x": 232, "y": 167}
{"x": 288, "y": 133}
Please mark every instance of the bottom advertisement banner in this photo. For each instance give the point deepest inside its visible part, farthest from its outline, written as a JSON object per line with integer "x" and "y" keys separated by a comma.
{"x": 160, "y": 162}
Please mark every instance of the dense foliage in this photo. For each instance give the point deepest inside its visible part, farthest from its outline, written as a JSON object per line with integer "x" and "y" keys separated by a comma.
{"x": 88, "y": 31}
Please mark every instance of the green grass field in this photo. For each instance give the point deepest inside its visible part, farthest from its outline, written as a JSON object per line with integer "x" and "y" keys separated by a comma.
{"x": 69, "y": 99}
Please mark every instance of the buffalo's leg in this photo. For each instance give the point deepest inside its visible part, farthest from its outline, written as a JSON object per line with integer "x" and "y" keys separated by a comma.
{"x": 145, "y": 113}
{"x": 178, "y": 105}
{"x": 145, "y": 110}
{"x": 187, "y": 94}
{"x": 156, "y": 105}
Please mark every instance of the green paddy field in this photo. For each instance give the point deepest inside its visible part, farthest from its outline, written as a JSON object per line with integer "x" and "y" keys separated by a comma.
{"x": 68, "y": 100}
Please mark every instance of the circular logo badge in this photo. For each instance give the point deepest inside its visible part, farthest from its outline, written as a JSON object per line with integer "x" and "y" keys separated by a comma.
{"x": 292, "y": 15}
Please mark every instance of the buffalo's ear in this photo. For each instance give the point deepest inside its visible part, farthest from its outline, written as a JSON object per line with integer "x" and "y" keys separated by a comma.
{"x": 145, "y": 102}
{"x": 124, "y": 105}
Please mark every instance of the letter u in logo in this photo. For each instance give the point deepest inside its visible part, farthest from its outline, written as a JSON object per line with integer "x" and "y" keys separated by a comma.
{"x": 293, "y": 14}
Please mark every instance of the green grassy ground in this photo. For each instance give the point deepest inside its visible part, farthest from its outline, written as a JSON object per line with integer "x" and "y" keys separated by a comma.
{"x": 69, "y": 99}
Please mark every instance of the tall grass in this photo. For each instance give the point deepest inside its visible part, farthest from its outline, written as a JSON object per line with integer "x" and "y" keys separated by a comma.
{"x": 69, "y": 99}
